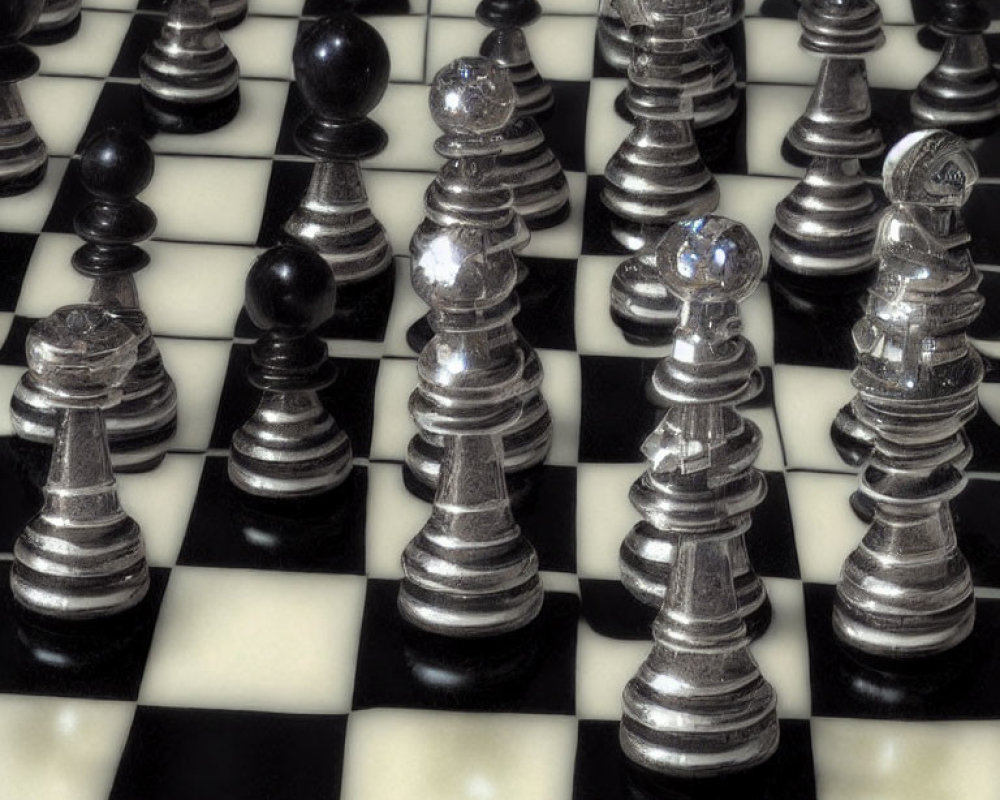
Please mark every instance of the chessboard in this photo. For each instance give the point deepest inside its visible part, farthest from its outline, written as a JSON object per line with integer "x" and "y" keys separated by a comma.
{"x": 269, "y": 661}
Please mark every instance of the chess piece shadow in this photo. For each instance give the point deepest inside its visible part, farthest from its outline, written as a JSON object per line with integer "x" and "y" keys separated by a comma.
{"x": 643, "y": 784}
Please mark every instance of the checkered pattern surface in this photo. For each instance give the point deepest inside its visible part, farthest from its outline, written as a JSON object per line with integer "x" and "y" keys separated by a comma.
{"x": 270, "y": 662}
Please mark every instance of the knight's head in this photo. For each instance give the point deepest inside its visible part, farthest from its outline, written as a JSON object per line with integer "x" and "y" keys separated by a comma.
{"x": 930, "y": 168}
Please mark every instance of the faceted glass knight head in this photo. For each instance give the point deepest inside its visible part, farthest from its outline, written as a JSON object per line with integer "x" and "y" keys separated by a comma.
{"x": 709, "y": 259}
{"x": 930, "y": 168}
{"x": 472, "y": 96}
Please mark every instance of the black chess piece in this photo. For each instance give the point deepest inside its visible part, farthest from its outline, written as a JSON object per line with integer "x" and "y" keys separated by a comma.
{"x": 82, "y": 556}
{"x": 190, "y": 79}
{"x": 58, "y": 22}
{"x": 228, "y": 13}
{"x": 116, "y": 166}
{"x": 291, "y": 446}
{"x": 342, "y": 70}
{"x": 23, "y": 156}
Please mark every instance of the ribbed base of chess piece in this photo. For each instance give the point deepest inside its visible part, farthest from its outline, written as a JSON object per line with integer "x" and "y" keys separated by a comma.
{"x": 23, "y": 155}
{"x": 827, "y": 223}
{"x": 508, "y": 48}
{"x": 837, "y": 121}
{"x": 641, "y": 305}
{"x": 228, "y": 13}
{"x": 962, "y": 89}
{"x": 613, "y": 38}
{"x": 335, "y": 219}
{"x": 851, "y": 437}
{"x": 657, "y": 175}
{"x": 290, "y": 447}
{"x": 169, "y": 117}
{"x": 58, "y": 22}
{"x": 469, "y": 572}
{"x": 541, "y": 194}
{"x": 82, "y": 556}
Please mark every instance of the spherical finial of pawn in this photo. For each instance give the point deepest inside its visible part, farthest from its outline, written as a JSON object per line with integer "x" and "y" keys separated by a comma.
{"x": 711, "y": 259}
{"x": 930, "y": 167}
{"x": 451, "y": 270}
{"x": 290, "y": 288}
{"x": 341, "y": 66}
{"x": 472, "y": 96}
{"x": 116, "y": 164}
{"x": 80, "y": 355}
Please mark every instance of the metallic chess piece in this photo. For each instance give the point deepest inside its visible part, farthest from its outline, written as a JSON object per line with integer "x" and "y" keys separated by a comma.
{"x": 469, "y": 572}
{"x": 23, "y": 155}
{"x": 472, "y": 101}
{"x": 840, "y": 28}
{"x": 189, "y": 77}
{"x": 58, "y": 22}
{"x": 291, "y": 446}
{"x": 962, "y": 89}
{"x": 698, "y": 705}
{"x": 613, "y": 38}
{"x": 228, "y": 13}
{"x": 82, "y": 556}
{"x": 115, "y": 167}
{"x": 342, "y": 70}
{"x": 906, "y": 590}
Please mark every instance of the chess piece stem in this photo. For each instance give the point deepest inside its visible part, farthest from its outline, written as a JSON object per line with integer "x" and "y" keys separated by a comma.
{"x": 23, "y": 156}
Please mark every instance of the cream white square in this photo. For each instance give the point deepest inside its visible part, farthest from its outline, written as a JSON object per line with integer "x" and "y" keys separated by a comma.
{"x": 51, "y": 281}
{"x": 605, "y": 129}
{"x": 6, "y": 320}
{"x": 773, "y": 53}
{"x": 400, "y": 33}
{"x": 397, "y": 199}
{"x": 161, "y": 502}
{"x": 198, "y": 369}
{"x": 9, "y": 376}
{"x": 120, "y": 5}
{"x": 253, "y": 132}
{"x": 562, "y": 47}
{"x": 194, "y": 290}
{"x": 772, "y": 111}
{"x": 603, "y": 516}
{"x": 60, "y": 748}
{"x": 393, "y": 426}
{"x": 451, "y": 38}
{"x": 826, "y": 529}
{"x": 771, "y": 458}
{"x": 807, "y": 400}
{"x": 782, "y": 652}
{"x": 902, "y": 62}
{"x": 407, "y": 308}
{"x": 893, "y": 760}
{"x": 989, "y": 399}
{"x": 751, "y": 200}
{"x": 26, "y": 213}
{"x": 60, "y": 109}
{"x": 416, "y": 755}
{"x": 897, "y": 12}
{"x": 603, "y": 667}
{"x": 263, "y": 46}
{"x": 394, "y": 517}
{"x": 255, "y": 640}
{"x": 404, "y": 114}
{"x": 566, "y": 239}
{"x": 92, "y": 51}
{"x": 208, "y": 199}
{"x": 561, "y": 389}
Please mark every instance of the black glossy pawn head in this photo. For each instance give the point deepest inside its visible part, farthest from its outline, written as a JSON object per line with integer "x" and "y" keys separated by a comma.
{"x": 116, "y": 164}
{"x": 17, "y": 17}
{"x": 290, "y": 288}
{"x": 341, "y": 67}
{"x": 508, "y": 13}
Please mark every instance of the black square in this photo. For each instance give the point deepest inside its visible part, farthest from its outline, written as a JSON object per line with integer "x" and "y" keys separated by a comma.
{"x": 615, "y": 413}
{"x": 771, "y": 538}
{"x": 980, "y": 218}
{"x": 566, "y": 126}
{"x": 22, "y": 499}
{"x": 289, "y": 180}
{"x": 140, "y": 35}
{"x": 548, "y": 303}
{"x": 603, "y": 772}
{"x": 987, "y": 324}
{"x": 70, "y": 198}
{"x": 231, "y": 529}
{"x": 294, "y": 112}
{"x": 101, "y": 659}
{"x": 546, "y": 512}
{"x": 974, "y": 513}
{"x": 350, "y": 399}
{"x": 319, "y": 8}
{"x": 779, "y": 9}
{"x": 529, "y": 671}
{"x": 984, "y": 433}
{"x": 598, "y": 223}
{"x": 184, "y": 754}
{"x": 960, "y": 684}
{"x": 723, "y": 146}
{"x": 118, "y": 105}
{"x": 12, "y": 352}
{"x": 15, "y": 254}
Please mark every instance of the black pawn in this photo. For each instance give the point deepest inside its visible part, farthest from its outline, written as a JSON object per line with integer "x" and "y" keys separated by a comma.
{"x": 291, "y": 446}
{"x": 23, "y": 156}
{"x": 342, "y": 70}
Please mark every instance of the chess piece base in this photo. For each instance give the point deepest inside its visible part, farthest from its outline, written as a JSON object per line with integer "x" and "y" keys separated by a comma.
{"x": 171, "y": 117}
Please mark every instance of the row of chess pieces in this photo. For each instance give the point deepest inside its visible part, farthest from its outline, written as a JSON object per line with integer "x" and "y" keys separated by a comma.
{"x": 698, "y": 704}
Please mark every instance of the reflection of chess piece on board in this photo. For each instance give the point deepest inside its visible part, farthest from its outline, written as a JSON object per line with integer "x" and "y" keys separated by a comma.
{"x": 189, "y": 77}
{"x": 698, "y": 705}
{"x": 291, "y": 446}
{"x": 471, "y": 100}
{"x": 906, "y": 590}
{"x": 82, "y": 556}
{"x": 23, "y": 157}
{"x": 342, "y": 70}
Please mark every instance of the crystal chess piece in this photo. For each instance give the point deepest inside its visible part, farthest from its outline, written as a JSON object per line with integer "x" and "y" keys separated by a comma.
{"x": 291, "y": 446}
{"x": 469, "y": 572}
{"x": 906, "y": 591}
{"x": 699, "y": 706}
{"x": 341, "y": 69}
{"x": 23, "y": 156}
{"x": 82, "y": 556}
{"x": 115, "y": 167}
{"x": 189, "y": 77}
